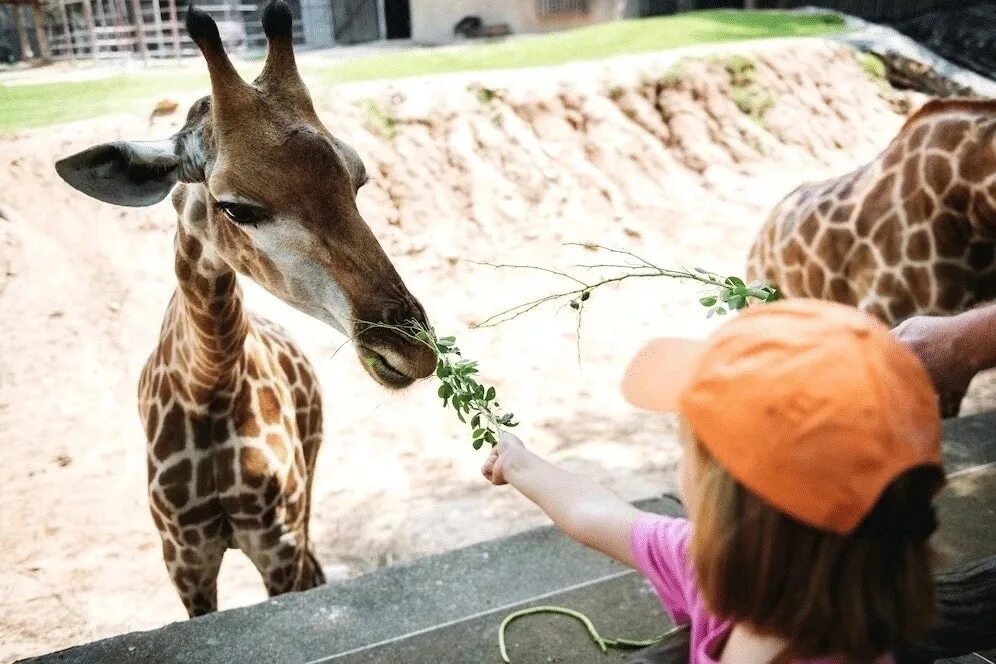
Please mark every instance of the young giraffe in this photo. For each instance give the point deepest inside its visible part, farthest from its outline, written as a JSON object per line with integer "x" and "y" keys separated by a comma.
{"x": 909, "y": 233}
{"x": 231, "y": 407}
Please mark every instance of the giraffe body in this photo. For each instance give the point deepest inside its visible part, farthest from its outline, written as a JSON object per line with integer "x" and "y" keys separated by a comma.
{"x": 231, "y": 408}
{"x": 232, "y": 413}
{"x": 909, "y": 233}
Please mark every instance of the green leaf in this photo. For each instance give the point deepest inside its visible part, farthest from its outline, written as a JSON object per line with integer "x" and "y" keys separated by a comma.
{"x": 491, "y": 394}
{"x": 708, "y": 301}
{"x": 721, "y": 311}
{"x": 445, "y": 390}
{"x": 490, "y": 437}
{"x": 479, "y": 433}
{"x": 476, "y": 421}
{"x": 736, "y": 282}
{"x": 442, "y": 371}
{"x": 478, "y": 443}
{"x": 737, "y": 302}
{"x": 460, "y": 417}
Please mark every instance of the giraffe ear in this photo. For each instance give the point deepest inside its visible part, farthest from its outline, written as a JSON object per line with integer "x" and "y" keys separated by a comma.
{"x": 134, "y": 174}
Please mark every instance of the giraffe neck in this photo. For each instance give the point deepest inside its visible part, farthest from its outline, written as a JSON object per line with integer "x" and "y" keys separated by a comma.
{"x": 206, "y": 320}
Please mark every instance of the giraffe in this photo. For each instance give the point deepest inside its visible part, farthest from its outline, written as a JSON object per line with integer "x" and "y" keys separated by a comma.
{"x": 912, "y": 232}
{"x": 231, "y": 407}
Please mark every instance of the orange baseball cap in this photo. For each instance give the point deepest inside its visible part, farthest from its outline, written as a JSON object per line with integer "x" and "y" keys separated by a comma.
{"x": 814, "y": 407}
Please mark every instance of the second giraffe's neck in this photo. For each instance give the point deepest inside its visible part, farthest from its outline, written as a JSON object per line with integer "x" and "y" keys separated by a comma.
{"x": 208, "y": 322}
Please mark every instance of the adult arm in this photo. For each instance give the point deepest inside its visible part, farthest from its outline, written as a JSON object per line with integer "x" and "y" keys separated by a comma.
{"x": 952, "y": 348}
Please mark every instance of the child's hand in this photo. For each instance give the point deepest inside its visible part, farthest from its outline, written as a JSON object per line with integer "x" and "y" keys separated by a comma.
{"x": 504, "y": 455}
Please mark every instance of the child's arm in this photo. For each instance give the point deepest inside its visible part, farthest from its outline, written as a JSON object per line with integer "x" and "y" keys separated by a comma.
{"x": 584, "y": 510}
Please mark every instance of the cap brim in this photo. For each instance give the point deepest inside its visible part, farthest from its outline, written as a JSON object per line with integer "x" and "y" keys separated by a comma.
{"x": 657, "y": 375}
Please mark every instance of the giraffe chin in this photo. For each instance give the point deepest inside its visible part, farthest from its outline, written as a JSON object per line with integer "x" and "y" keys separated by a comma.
{"x": 382, "y": 371}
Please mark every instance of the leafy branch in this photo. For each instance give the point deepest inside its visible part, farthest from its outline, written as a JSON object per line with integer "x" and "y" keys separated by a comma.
{"x": 475, "y": 404}
{"x": 722, "y": 294}
{"x": 459, "y": 388}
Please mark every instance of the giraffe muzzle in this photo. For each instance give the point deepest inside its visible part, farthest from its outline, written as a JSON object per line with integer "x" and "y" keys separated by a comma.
{"x": 393, "y": 369}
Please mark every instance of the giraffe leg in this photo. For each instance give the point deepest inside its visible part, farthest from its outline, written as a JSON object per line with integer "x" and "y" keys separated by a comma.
{"x": 194, "y": 571}
{"x": 284, "y": 559}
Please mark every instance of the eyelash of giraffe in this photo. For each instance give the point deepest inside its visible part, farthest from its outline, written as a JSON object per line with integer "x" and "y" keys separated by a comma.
{"x": 253, "y": 217}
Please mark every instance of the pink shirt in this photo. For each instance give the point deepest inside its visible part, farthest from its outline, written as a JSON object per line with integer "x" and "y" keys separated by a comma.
{"x": 660, "y": 548}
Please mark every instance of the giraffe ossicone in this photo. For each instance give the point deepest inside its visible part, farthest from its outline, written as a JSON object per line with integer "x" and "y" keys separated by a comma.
{"x": 231, "y": 407}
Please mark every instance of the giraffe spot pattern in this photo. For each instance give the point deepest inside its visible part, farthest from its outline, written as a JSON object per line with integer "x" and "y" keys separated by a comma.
{"x": 951, "y": 235}
{"x": 178, "y": 473}
{"x": 938, "y": 173}
{"x": 888, "y": 237}
{"x": 918, "y": 248}
{"x": 983, "y": 213}
{"x": 253, "y": 465}
{"x": 245, "y": 419}
{"x": 171, "y": 436}
{"x": 269, "y": 405}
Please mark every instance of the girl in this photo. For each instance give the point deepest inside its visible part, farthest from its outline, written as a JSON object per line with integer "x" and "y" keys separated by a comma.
{"x": 811, "y": 442}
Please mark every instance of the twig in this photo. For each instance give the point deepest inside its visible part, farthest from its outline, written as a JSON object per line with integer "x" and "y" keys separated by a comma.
{"x": 726, "y": 293}
{"x": 603, "y": 643}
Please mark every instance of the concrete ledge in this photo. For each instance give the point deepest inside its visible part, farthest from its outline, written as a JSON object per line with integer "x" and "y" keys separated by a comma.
{"x": 447, "y": 608}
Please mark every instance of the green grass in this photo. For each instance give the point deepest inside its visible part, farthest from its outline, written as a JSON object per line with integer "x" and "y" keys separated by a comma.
{"x": 35, "y": 105}
{"x": 591, "y": 43}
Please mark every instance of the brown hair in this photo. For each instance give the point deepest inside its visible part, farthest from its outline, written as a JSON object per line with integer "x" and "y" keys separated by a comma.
{"x": 856, "y": 596}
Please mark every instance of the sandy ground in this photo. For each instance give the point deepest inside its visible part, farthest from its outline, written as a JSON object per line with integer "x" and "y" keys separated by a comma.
{"x": 623, "y": 153}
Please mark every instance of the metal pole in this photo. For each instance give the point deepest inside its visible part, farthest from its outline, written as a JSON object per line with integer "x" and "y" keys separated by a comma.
{"x": 22, "y": 34}
{"x": 70, "y": 42}
{"x": 91, "y": 27}
{"x": 175, "y": 27}
{"x": 157, "y": 19}
{"x": 143, "y": 49}
{"x": 44, "y": 50}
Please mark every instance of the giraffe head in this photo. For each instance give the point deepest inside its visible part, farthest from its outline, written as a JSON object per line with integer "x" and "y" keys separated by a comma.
{"x": 268, "y": 190}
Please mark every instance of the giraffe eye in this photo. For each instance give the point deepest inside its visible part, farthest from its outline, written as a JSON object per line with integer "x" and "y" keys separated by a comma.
{"x": 241, "y": 213}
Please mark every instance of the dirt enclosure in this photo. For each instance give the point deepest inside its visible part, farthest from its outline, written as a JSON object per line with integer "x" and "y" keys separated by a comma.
{"x": 678, "y": 162}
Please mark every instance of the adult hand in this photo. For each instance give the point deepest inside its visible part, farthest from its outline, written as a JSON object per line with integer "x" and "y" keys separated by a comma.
{"x": 940, "y": 343}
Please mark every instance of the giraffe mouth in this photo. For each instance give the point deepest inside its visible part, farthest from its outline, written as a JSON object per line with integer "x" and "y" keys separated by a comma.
{"x": 383, "y": 371}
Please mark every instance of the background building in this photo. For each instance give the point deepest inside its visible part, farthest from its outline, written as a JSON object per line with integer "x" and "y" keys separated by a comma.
{"x": 101, "y": 29}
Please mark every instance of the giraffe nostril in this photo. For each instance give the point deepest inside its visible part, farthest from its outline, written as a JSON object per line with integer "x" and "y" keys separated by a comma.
{"x": 402, "y": 314}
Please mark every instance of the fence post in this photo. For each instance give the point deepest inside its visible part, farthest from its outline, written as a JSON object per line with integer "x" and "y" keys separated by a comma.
{"x": 175, "y": 27}
{"x": 44, "y": 52}
{"x": 91, "y": 27}
{"x": 67, "y": 31}
{"x": 22, "y": 34}
{"x": 143, "y": 48}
